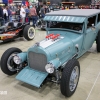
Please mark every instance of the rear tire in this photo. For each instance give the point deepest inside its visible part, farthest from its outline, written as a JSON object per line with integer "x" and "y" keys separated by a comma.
{"x": 98, "y": 42}
{"x": 70, "y": 78}
{"x": 7, "y": 64}
{"x": 29, "y": 32}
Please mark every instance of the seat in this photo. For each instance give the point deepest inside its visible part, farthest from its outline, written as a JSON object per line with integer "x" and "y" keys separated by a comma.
{"x": 10, "y": 25}
{"x": 19, "y": 24}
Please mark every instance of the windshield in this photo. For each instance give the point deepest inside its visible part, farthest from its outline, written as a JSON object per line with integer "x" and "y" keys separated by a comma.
{"x": 65, "y": 25}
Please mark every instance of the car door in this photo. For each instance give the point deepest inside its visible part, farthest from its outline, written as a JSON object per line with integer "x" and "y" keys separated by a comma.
{"x": 90, "y": 33}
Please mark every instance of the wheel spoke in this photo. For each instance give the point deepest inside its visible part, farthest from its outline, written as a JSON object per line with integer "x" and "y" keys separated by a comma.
{"x": 31, "y": 32}
{"x": 74, "y": 78}
{"x": 10, "y": 62}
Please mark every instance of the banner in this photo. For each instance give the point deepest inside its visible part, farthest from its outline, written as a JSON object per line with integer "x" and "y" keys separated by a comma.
{"x": 27, "y": 3}
{"x": 5, "y": 1}
{"x": 10, "y": 1}
{"x": 23, "y": 2}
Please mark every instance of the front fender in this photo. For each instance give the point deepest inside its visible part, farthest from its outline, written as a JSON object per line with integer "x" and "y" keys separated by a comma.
{"x": 56, "y": 62}
{"x": 23, "y": 56}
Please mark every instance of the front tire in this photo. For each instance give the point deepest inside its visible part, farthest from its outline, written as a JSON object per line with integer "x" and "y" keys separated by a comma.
{"x": 70, "y": 78}
{"x": 29, "y": 32}
{"x": 7, "y": 64}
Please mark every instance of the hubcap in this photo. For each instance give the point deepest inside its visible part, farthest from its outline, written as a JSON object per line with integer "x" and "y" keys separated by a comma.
{"x": 74, "y": 78}
{"x": 10, "y": 62}
{"x": 31, "y": 33}
{"x": 39, "y": 23}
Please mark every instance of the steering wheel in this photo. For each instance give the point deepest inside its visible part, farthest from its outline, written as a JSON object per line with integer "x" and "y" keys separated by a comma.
{"x": 78, "y": 28}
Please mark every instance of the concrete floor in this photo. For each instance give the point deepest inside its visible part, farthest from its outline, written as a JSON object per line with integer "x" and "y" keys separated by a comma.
{"x": 88, "y": 87}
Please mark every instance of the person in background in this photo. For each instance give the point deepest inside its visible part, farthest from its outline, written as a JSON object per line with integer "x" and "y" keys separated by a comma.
{"x": 1, "y": 16}
{"x": 33, "y": 15}
{"x": 26, "y": 10}
{"x": 62, "y": 8}
{"x": 22, "y": 14}
{"x": 31, "y": 6}
{"x": 9, "y": 14}
{"x": 1, "y": 12}
{"x": 27, "y": 13}
{"x": 42, "y": 10}
{"x": 38, "y": 11}
{"x": 47, "y": 10}
{"x": 72, "y": 7}
{"x": 18, "y": 13}
{"x": 66, "y": 8}
{"x": 13, "y": 8}
{"x": 5, "y": 14}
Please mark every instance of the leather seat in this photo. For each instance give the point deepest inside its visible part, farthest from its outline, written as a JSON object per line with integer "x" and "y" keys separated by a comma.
{"x": 10, "y": 25}
{"x": 19, "y": 24}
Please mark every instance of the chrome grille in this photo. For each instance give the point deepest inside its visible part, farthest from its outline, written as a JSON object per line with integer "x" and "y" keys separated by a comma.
{"x": 37, "y": 61}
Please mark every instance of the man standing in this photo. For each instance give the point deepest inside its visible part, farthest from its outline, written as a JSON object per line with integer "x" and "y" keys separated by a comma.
{"x": 1, "y": 12}
{"x": 23, "y": 14}
{"x": 18, "y": 13}
{"x": 1, "y": 16}
{"x": 9, "y": 14}
{"x": 5, "y": 13}
{"x": 42, "y": 10}
{"x": 33, "y": 14}
{"x": 47, "y": 10}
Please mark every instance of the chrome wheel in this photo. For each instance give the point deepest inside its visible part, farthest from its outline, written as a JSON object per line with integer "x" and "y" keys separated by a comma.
{"x": 7, "y": 64}
{"x": 10, "y": 62}
{"x": 31, "y": 33}
{"x": 39, "y": 23}
{"x": 70, "y": 77}
{"x": 74, "y": 78}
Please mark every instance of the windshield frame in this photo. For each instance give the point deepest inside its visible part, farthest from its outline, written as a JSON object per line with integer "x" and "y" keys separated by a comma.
{"x": 80, "y": 31}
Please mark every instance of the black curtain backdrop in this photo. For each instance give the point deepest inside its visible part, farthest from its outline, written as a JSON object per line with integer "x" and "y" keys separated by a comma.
{"x": 40, "y": 0}
{"x": 55, "y": 1}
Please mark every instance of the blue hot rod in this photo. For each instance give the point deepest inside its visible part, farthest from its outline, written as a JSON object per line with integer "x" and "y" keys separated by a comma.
{"x": 70, "y": 33}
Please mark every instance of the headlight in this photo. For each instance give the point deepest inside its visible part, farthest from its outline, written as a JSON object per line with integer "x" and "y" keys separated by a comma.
{"x": 17, "y": 59}
{"x": 49, "y": 68}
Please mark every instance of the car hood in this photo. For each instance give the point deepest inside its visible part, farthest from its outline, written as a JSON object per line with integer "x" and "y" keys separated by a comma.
{"x": 61, "y": 45}
{"x": 57, "y": 46}
{"x": 53, "y": 49}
